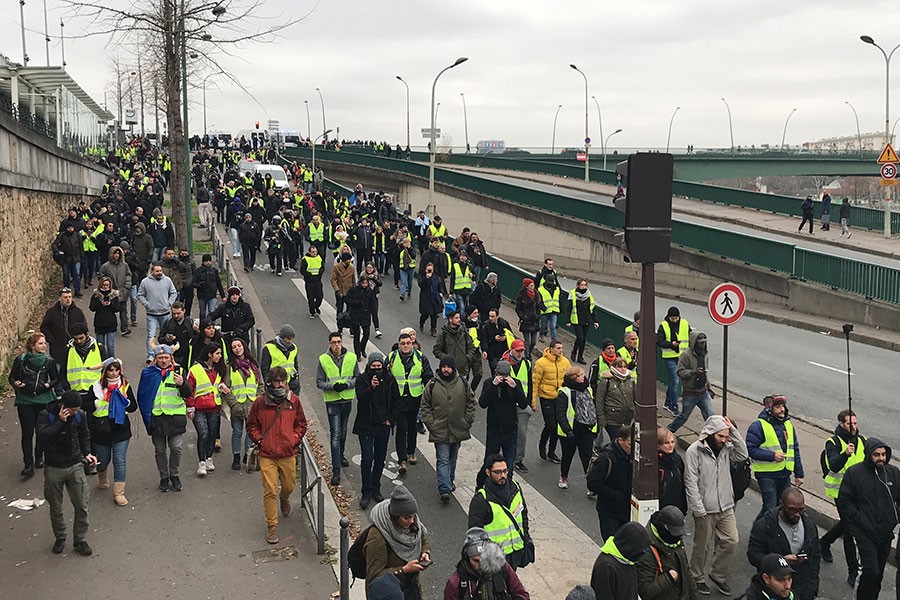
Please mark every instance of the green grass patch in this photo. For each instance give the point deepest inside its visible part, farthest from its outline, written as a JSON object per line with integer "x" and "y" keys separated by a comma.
{"x": 195, "y": 219}
{"x": 203, "y": 247}
{"x": 167, "y": 203}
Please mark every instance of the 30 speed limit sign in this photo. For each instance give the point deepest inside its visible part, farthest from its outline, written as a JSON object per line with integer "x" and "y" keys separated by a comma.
{"x": 888, "y": 171}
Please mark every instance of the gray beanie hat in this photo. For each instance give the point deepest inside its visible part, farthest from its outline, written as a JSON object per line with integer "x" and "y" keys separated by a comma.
{"x": 287, "y": 331}
{"x": 582, "y": 592}
{"x": 402, "y": 502}
{"x": 503, "y": 368}
{"x": 375, "y": 357}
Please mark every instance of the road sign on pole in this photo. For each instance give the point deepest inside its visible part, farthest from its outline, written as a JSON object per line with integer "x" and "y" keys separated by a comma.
{"x": 581, "y": 157}
{"x": 888, "y": 155}
{"x": 726, "y": 305}
{"x": 426, "y": 132}
{"x": 888, "y": 170}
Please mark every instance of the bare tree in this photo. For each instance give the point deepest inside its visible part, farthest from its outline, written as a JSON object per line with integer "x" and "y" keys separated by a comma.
{"x": 167, "y": 32}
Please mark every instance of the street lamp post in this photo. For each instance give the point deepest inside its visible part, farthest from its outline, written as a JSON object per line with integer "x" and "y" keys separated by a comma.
{"x": 407, "y": 108}
{"x": 437, "y": 109}
{"x": 786, "y": 121}
{"x": 730, "y": 125}
{"x": 308, "y": 126}
{"x": 858, "y": 134}
{"x": 672, "y": 120}
{"x": 553, "y": 144}
{"x": 458, "y": 62}
{"x": 606, "y": 145}
{"x": 324, "y": 134}
{"x": 322, "y": 100}
{"x": 587, "y": 156}
{"x": 465, "y": 120}
{"x": 600, "y": 122}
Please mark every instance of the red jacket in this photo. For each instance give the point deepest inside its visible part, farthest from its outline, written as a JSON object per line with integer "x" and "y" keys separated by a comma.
{"x": 287, "y": 434}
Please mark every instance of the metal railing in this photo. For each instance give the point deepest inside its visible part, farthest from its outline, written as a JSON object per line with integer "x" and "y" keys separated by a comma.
{"x": 345, "y": 581}
{"x": 312, "y": 493}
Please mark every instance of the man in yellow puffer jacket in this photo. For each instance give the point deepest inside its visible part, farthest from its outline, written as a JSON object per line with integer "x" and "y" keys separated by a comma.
{"x": 546, "y": 379}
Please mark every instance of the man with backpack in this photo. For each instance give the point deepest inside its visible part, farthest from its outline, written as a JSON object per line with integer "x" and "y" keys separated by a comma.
{"x": 609, "y": 476}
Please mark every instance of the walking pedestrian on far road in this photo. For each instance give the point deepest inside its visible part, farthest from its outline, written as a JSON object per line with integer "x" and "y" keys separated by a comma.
{"x": 845, "y": 218}
{"x": 672, "y": 337}
{"x": 336, "y": 374}
{"x": 826, "y": 212}
{"x": 806, "y": 209}
{"x": 774, "y": 451}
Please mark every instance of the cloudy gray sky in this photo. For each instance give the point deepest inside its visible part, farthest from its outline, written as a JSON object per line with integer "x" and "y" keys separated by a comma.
{"x": 642, "y": 59}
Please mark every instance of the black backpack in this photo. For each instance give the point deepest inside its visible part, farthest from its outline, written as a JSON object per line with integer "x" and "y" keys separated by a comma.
{"x": 356, "y": 555}
{"x": 740, "y": 477}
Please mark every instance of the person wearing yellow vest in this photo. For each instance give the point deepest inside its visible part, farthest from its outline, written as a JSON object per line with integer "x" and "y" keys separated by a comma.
{"x": 209, "y": 381}
{"x": 246, "y": 386}
{"x": 312, "y": 265}
{"x": 499, "y": 508}
{"x": 412, "y": 371}
{"x": 842, "y": 450}
{"x": 520, "y": 369}
{"x": 407, "y": 268}
{"x": 774, "y": 451}
{"x": 110, "y": 428}
{"x": 672, "y": 338}
{"x": 629, "y": 351}
{"x": 436, "y": 230}
{"x": 84, "y": 356}
{"x": 635, "y": 324}
{"x": 548, "y": 292}
{"x": 576, "y": 418}
{"x": 315, "y": 232}
{"x": 336, "y": 374}
{"x": 461, "y": 281}
{"x": 281, "y": 352}
{"x": 581, "y": 311}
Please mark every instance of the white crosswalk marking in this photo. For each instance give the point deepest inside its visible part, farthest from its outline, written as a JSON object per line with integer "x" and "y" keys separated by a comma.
{"x": 565, "y": 554}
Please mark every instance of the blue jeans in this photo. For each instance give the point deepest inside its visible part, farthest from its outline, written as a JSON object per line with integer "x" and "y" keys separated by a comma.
{"x": 771, "y": 488}
{"x": 109, "y": 342}
{"x": 446, "y": 465}
{"x": 672, "y": 388}
{"x": 115, "y": 453}
{"x": 338, "y": 416}
{"x": 503, "y": 443}
{"x": 549, "y": 321}
{"x": 237, "y": 432}
{"x": 207, "y": 306}
{"x": 134, "y": 302}
{"x": 235, "y": 243}
{"x": 157, "y": 254}
{"x": 374, "y": 451}
{"x": 154, "y": 324}
{"x": 72, "y": 276}
{"x": 206, "y": 424}
{"x": 688, "y": 402}
{"x": 406, "y": 280}
{"x": 461, "y": 302}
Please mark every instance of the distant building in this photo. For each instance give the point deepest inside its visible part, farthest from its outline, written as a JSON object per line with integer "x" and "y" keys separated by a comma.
{"x": 871, "y": 142}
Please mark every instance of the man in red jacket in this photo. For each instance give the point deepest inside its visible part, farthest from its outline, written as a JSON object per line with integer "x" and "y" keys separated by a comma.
{"x": 277, "y": 425}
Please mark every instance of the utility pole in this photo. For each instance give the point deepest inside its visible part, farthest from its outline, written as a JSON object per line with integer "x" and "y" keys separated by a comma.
{"x": 141, "y": 91}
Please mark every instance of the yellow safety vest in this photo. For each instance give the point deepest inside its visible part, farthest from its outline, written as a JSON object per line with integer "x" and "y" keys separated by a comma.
{"x": 624, "y": 353}
{"x": 771, "y": 443}
{"x": 412, "y": 381}
{"x": 473, "y": 333}
{"x": 242, "y": 389}
{"x": 437, "y": 232}
{"x": 551, "y": 303}
{"x": 522, "y": 374}
{"x": 501, "y": 528}
{"x": 317, "y": 234}
{"x": 278, "y": 359}
{"x": 574, "y": 317}
{"x": 168, "y": 399}
{"x": 204, "y": 385}
{"x": 79, "y": 373}
{"x": 683, "y": 338}
{"x": 570, "y": 410}
{"x": 407, "y": 261}
{"x": 833, "y": 480}
{"x": 348, "y": 366}
{"x": 313, "y": 264}
{"x": 101, "y": 405}
{"x": 462, "y": 278}
{"x": 308, "y": 176}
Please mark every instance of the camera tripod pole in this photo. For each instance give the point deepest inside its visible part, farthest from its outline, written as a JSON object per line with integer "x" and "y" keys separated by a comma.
{"x": 847, "y": 329}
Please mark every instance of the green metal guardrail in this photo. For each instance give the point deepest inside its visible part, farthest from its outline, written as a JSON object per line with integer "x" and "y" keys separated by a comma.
{"x": 872, "y": 281}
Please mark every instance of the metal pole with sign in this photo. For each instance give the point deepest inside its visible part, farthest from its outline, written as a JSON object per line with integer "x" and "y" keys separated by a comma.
{"x": 726, "y": 305}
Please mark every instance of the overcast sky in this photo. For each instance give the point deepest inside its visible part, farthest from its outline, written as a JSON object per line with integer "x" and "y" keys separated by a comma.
{"x": 643, "y": 58}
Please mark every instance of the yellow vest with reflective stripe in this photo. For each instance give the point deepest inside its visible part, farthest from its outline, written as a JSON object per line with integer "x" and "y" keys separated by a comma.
{"x": 278, "y": 359}
{"x": 551, "y": 303}
{"x": 79, "y": 373}
{"x": 570, "y": 410}
{"x": 833, "y": 480}
{"x": 771, "y": 443}
{"x": 683, "y": 337}
{"x": 168, "y": 399}
{"x": 574, "y": 317}
{"x": 439, "y": 232}
{"x": 462, "y": 279}
{"x": 411, "y": 380}
{"x": 502, "y": 529}
{"x": 317, "y": 234}
{"x": 313, "y": 264}
{"x": 522, "y": 375}
{"x": 101, "y": 406}
{"x": 407, "y": 261}
{"x": 204, "y": 385}
{"x": 243, "y": 390}
{"x": 348, "y": 365}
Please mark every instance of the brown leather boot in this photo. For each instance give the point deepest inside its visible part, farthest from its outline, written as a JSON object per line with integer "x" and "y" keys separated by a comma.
{"x": 103, "y": 478}
{"x": 119, "y": 493}
{"x": 272, "y": 534}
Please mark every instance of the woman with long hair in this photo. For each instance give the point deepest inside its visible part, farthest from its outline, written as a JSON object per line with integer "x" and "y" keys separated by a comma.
{"x": 208, "y": 380}
{"x": 109, "y": 426}
{"x": 34, "y": 377}
{"x": 105, "y": 306}
{"x": 431, "y": 298}
{"x": 576, "y": 418}
{"x": 528, "y": 311}
{"x": 246, "y": 386}
{"x": 671, "y": 472}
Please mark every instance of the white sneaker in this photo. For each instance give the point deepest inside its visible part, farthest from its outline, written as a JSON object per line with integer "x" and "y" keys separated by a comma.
{"x": 209, "y": 465}
{"x": 563, "y": 483}
{"x": 378, "y": 333}
{"x": 201, "y": 470}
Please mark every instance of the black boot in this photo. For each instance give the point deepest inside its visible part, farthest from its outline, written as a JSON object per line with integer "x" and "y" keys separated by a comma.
{"x": 28, "y": 471}
{"x": 236, "y": 462}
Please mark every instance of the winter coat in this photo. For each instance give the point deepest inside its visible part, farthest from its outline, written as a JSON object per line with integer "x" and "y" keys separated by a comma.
{"x": 40, "y": 374}
{"x": 381, "y": 559}
{"x": 615, "y": 399}
{"x": 671, "y": 481}
{"x": 767, "y": 537}
{"x": 610, "y": 478}
{"x": 343, "y": 277}
{"x": 105, "y": 315}
{"x": 249, "y": 234}
{"x": 208, "y": 283}
{"x": 481, "y": 513}
{"x": 612, "y": 579}
{"x": 501, "y": 402}
{"x": 484, "y": 298}
{"x": 286, "y": 435}
{"x": 806, "y": 207}
{"x": 693, "y": 381}
{"x": 756, "y": 438}
{"x": 118, "y": 271}
{"x": 527, "y": 311}
{"x": 55, "y": 327}
{"x": 870, "y": 496}
{"x": 487, "y": 335}
{"x": 65, "y": 443}
{"x": 104, "y": 430}
{"x": 431, "y": 289}
{"x": 654, "y": 581}
{"x": 448, "y": 410}
{"x": 181, "y": 333}
{"x": 68, "y": 247}
{"x": 458, "y": 344}
{"x": 547, "y": 375}
{"x": 375, "y": 405}
{"x": 362, "y": 304}
{"x": 163, "y": 236}
{"x": 176, "y": 271}
{"x": 707, "y": 477}
{"x": 461, "y": 585}
{"x": 237, "y": 318}
{"x": 142, "y": 247}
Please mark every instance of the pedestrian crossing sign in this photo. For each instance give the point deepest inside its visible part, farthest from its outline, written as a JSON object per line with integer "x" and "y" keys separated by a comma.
{"x": 888, "y": 155}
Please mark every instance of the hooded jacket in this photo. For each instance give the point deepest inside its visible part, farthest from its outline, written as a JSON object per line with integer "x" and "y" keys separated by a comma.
{"x": 118, "y": 272}
{"x": 237, "y": 318}
{"x": 615, "y": 399}
{"x": 692, "y": 381}
{"x": 157, "y": 295}
{"x": 767, "y": 537}
{"x": 614, "y": 576}
{"x": 458, "y": 344}
{"x": 654, "y": 580}
{"x": 707, "y": 476}
{"x": 65, "y": 443}
{"x": 448, "y": 409}
{"x": 868, "y": 502}
{"x": 142, "y": 246}
{"x": 610, "y": 478}
{"x": 547, "y": 375}
{"x": 502, "y": 402}
{"x": 756, "y": 438}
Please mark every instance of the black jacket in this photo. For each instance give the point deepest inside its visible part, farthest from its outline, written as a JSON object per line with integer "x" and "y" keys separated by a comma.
{"x": 207, "y": 282}
{"x": 671, "y": 481}
{"x": 527, "y": 311}
{"x": 501, "y": 402}
{"x": 484, "y": 298}
{"x": 105, "y": 315}
{"x": 767, "y": 537}
{"x": 488, "y": 333}
{"x": 480, "y": 513}
{"x": 612, "y": 484}
{"x": 613, "y": 580}
{"x": 55, "y": 328}
{"x": 182, "y": 334}
{"x": 361, "y": 302}
{"x": 760, "y": 591}
{"x": 104, "y": 430}
{"x": 868, "y": 501}
{"x": 66, "y": 442}
{"x": 237, "y": 319}
{"x": 376, "y": 405}
{"x": 837, "y": 459}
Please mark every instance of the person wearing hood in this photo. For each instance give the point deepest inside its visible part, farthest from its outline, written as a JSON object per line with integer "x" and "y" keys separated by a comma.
{"x": 276, "y": 424}
{"x": 454, "y": 340}
{"x": 58, "y": 322}
{"x": 482, "y": 572}
{"x": 576, "y": 417}
{"x": 548, "y": 291}
{"x": 609, "y": 478}
{"x": 790, "y": 532}
{"x": 710, "y": 495}
{"x": 142, "y": 246}
{"x": 336, "y": 373}
{"x": 774, "y": 581}
{"x": 546, "y": 379}
{"x": 397, "y": 543}
{"x": 615, "y": 394}
{"x": 362, "y": 302}
{"x": 868, "y": 505}
{"x": 378, "y": 400}
{"x": 63, "y": 432}
{"x": 448, "y": 411}
{"x": 614, "y": 576}
{"x": 693, "y": 373}
{"x": 113, "y": 398}
{"x": 581, "y": 313}
{"x": 527, "y": 311}
{"x": 68, "y": 252}
{"x": 105, "y": 306}
{"x": 664, "y": 572}
{"x": 119, "y": 274}
{"x": 774, "y": 451}
{"x": 672, "y": 338}
{"x": 282, "y": 352}
{"x": 806, "y": 210}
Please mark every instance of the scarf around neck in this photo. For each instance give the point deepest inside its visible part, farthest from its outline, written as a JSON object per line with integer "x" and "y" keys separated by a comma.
{"x": 406, "y": 543}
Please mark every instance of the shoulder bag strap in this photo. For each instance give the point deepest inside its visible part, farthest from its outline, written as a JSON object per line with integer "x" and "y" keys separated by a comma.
{"x": 274, "y": 422}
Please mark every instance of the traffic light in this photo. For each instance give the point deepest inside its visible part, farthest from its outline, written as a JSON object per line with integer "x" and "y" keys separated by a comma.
{"x": 257, "y": 124}
{"x": 647, "y": 205}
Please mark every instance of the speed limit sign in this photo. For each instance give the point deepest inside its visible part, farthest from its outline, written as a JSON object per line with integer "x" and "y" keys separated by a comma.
{"x": 888, "y": 171}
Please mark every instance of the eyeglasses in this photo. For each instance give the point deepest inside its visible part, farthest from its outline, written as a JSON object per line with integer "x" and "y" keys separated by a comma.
{"x": 499, "y": 471}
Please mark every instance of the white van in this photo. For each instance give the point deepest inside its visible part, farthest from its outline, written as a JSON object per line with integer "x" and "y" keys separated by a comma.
{"x": 278, "y": 175}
